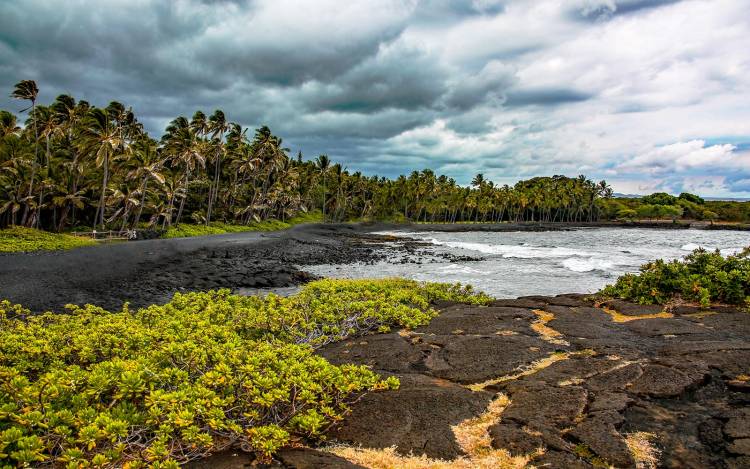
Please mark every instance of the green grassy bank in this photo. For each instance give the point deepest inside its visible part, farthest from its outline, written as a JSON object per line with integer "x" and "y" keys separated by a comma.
{"x": 19, "y": 239}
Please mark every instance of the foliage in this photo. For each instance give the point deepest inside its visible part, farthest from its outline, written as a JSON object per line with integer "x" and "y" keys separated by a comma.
{"x": 167, "y": 384}
{"x": 659, "y": 198}
{"x": 659, "y": 211}
{"x": 692, "y": 198}
{"x": 73, "y": 163}
{"x": 702, "y": 276}
{"x": 190, "y": 229}
{"x": 19, "y": 239}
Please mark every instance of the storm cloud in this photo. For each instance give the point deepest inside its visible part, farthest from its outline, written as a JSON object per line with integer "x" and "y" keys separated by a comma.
{"x": 649, "y": 94}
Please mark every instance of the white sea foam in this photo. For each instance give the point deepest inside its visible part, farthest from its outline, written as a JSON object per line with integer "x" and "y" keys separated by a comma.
{"x": 510, "y": 250}
{"x": 577, "y": 264}
{"x": 691, "y": 247}
{"x": 462, "y": 269}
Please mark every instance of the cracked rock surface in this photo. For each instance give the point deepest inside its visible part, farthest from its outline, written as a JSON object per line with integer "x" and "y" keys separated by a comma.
{"x": 668, "y": 377}
{"x": 580, "y": 388}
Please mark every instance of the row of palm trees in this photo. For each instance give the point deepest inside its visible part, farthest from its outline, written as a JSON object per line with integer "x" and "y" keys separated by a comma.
{"x": 75, "y": 164}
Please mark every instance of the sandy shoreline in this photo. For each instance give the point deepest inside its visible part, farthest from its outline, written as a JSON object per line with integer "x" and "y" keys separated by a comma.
{"x": 151, "y": 271}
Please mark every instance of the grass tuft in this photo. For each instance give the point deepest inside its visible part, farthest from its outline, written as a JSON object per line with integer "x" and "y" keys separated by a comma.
{"x": 645, "y": 453}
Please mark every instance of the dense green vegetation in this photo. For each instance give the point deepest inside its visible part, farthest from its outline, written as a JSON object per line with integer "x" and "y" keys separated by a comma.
{"x": 661, "y": 205}
{"x": 20, "y": 239}
{"x": 167, "y": 384}
{"x": 73, "y": 163}
{"x": 702, "y": 277}
{"x": 192, "y": 229}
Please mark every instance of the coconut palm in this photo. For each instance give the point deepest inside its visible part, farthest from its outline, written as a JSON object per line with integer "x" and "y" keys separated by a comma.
{"x": 102, "y": 139}
{"x": 323, "y": 163}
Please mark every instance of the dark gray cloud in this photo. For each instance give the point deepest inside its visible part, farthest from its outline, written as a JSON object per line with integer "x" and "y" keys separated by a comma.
{"x": 545, "y": 96}
{"x": 514, "y": 89}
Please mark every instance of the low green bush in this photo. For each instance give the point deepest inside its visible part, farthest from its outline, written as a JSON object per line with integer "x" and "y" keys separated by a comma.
{"x": 19, "y": 239}
{"x": 184, "y": 230}
{"x": 702, "y": 277}
{"x": 167, "y": 384}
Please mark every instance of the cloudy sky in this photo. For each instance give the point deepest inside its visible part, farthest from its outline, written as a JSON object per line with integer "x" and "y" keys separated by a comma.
{"x": 648, "y": 94}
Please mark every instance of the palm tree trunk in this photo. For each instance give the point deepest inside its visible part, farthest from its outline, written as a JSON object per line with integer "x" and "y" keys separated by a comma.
{"x": 104, "y": 189}
{"x": 33, "y": 165}
{"x": 144, "y": 185}
{"x": 184, "y": 197}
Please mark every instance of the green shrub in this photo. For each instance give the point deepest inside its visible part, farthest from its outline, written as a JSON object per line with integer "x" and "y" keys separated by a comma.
{"x": 702, "y": 277}
{"x": 19, "y": 239}
{"x": 184, "y": 230}
{"x": 167, "y": 384}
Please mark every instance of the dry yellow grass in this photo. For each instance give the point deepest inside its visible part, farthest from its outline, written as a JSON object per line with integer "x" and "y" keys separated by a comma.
{"x": 472, "y": 436}
{"x": 645, "y": 453}
{"x": 619, "y": 317}
{"x": 547, "y": 333}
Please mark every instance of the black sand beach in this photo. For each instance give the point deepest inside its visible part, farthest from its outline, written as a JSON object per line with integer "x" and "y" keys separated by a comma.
{"x": 151, "y": 271}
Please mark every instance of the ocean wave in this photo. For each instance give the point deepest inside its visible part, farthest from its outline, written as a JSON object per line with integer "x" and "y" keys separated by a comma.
{"x": 692, "y": 247}
{"x": 462, "y": 269}
{"x": 508, "y": 250}
{"x": 577, "y": 264}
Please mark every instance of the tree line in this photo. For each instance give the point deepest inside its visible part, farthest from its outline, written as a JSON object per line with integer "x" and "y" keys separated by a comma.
{"x": 75, "y": 164}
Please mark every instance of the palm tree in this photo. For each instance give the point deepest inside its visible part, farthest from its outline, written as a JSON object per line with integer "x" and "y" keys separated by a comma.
{"x": 323, "y": 163}
{"x": 101, "y": 140}
{"x": 27, "y": 90}
{"x": 181, "y": 143}
{"x": 217, "y": 126}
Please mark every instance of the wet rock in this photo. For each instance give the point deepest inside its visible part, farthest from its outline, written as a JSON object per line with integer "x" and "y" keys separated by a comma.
{"x": 632, "y": 309}
{"x": 574, "y": 370}
{"x": 601, "y": 436}
{"x": 388, "y": 352}
{"x": 664, "y": 326}
{"x": 514, "y": 439}
{"x": 617, "y": 378}
{"x": 616, "y": 401}
{"x": 549, "y": 405}
{"x": 739, "y": 425}
{"x": 741, "y": 447}
{"x": 568, "y": 300}
{"x": 416, "y": 418}
{"x": 473, "y": 359}
{"x": 486, "y": 321}
{"x": 710, "y": 434}
{"x": 519, "y": 303}
{"x": 557, "y": 459}
{"x": 306, "y": 458}
{"x": 661, "y": 381}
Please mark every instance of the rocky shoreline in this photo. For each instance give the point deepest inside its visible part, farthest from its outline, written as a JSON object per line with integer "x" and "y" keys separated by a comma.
{"x": 580, "y": 386}
{"x": 555, "y": 382}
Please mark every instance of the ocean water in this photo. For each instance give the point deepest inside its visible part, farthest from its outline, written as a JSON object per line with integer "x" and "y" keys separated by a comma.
{"x": 514, "y": 264}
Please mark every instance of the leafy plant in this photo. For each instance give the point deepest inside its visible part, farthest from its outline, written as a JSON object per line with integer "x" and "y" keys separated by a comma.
{"x": 19, "y": 239}
{"x": 184, "y": 230}
{"x": 167, "y": 384}
{"x": 702, "y": 277}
